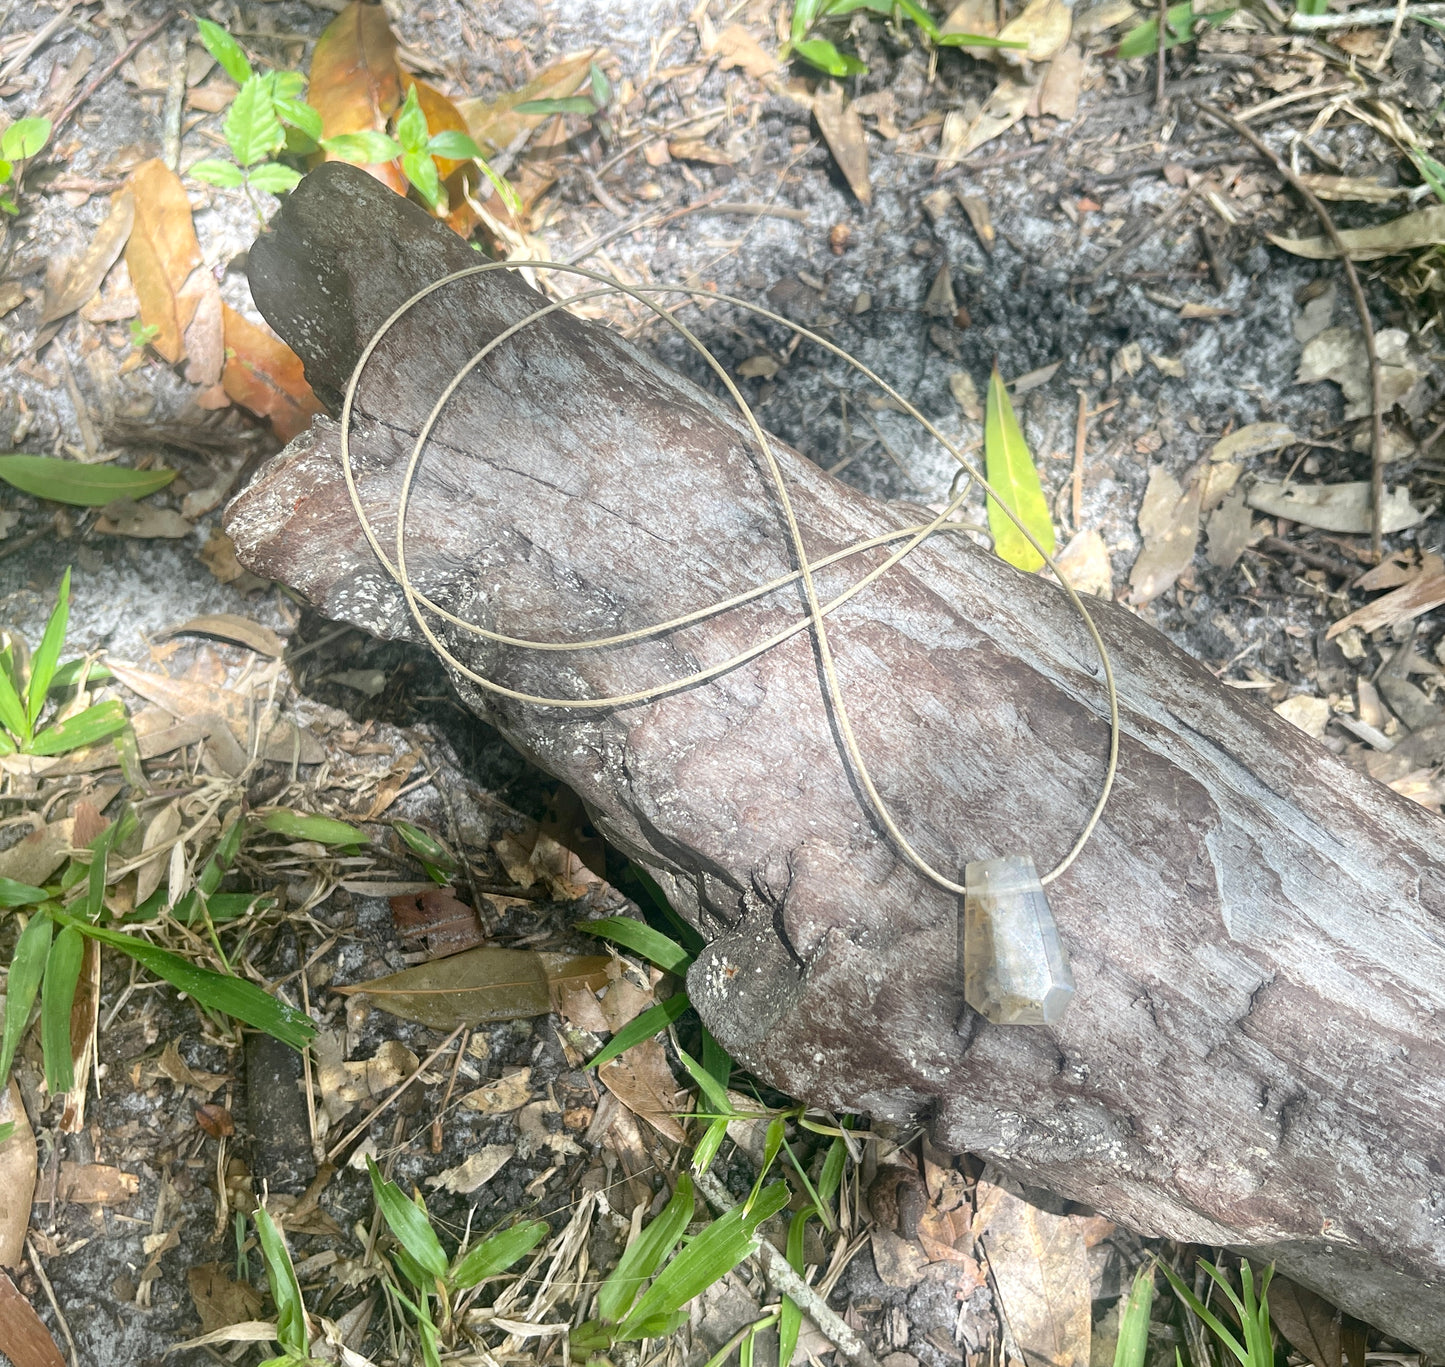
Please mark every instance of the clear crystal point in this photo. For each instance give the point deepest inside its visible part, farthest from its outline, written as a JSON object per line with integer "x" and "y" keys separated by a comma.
{"x": 1015, "y": 968}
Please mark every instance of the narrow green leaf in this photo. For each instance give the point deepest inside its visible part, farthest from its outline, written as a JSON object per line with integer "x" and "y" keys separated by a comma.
{"x": 790, "y": 1317}
{"x": 974, "y": 40}
{"x": 706, "y": 1148}
{"x": 225, "y": 174}
{"x": 839, "y": 8}
{"x": 322, "y": 829}
{"x": 572, "y": 104}
{"x": 1011, "y": 471}
{"x": 85, "y": 728}
{"x": 425, "y": 845}
{"x": 717, "y": 1096}
{"x": 1134, "y": 1320}
{"x": 408, "y": 1223}
{"x": 99, "y": 857}
{"x": 771, "y": 1144}
{"x": 1431, "y": 172}
{"x": 1204, "y": 1313}
{"x": 6, "y": 1130}
{"x": 363, "y": 149}
{"x": 505, "y": 188}
{"x": 646, "y": 1253}
{"x": 216, "y": 991}
{"x": 920, "y": 16}
{"x": 716, "y": 1060}
{"x": 74, "y": 482}
{"x": 24, "y": 138}
{"x": 601, "y": 86}
{"x": 832, "y": 1175}
{"x": 68, "y": 675}
{"x": 274, "y": 178}
{"x": 421, "y": 171}
{"x": 12, "y": 711}
{"x": 805, "y": 15}
{"x": 27, "y": 968}
{"x": 226, "y": 50}
{"x": 57, "y": 996}
{"x": 47, "y": 653}
{"x": 496, "y": 1254}
{"x": 654, "y": 897}
{"x": 819, "y": 52}
{"x": 252, "y": 128}
{"x": 642, "y": 1027}
{"x": 13, "y": 894}
{"x": 706, "y": 1259}
{"x": 640, "y": 937}
{"x": 454, "y": 145}
{"x": 291, "y": 1331}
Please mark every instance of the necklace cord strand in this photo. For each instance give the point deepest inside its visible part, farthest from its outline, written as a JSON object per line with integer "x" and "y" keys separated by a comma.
{"x": 913, "y": 536}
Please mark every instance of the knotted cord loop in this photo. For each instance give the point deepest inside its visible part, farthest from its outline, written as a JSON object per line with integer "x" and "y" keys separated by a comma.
{"x": 418, "y": 604}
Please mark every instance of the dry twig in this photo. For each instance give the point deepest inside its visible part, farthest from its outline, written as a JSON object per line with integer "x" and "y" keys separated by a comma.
{"x": 1357, "y": 293}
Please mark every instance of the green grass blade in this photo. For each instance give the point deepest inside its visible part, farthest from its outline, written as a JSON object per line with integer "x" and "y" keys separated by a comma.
{"x": 832, "y": 1175}
{"x": 12, "y": 711}
{"x": 322, "y": 829}
{"x": 57, "y": 996}
{"x": 216, "y": 991}
{"x": 642, "y": 1027}
{"x": 646, "y": 1253}
{"x": 496, "y": 1254}
{"x": 819, "y": 1205}
{"x": 95, "y": 879}
{"x": 13, "y": 894}
{"x": 707, "y": 1259}
{"x": 717, "y": 1096}
{"x": 1205, "y": 1314}
{"x": 641, "y": 939}
{"x": 408, "y": 1222}
{"x": 47, "y": 653}
{"x": 716, "y": 1060}
{"x": 1134, "y": 1321}
{"x": 85, "y": 728}
{"x": 772, "y": 1143}
{"x": 1015, "y": 480}
{"x": 291, "y": 1331}
{"x": 707, "y": 1147}
{"x": 74, "y": 482}
{"x": 790, "y": 1317}
{"x": 27, "y": 968}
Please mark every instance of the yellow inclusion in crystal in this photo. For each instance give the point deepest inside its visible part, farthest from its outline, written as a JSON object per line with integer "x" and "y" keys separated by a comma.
{"x": 1015, "y": 968}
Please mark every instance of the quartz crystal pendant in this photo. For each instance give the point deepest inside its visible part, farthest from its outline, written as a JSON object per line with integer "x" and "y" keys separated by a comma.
{"x": 1015, "y": 970}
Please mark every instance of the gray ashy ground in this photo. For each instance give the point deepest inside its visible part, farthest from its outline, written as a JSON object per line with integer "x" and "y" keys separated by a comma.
{"x": 1028, "y": 309}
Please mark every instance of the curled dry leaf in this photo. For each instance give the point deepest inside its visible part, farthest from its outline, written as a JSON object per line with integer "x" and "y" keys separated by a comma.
{"x": 842, "y": 129}
{"x": 1059, "y": 90}
{"x": 178, "y": 294}
{"x": 356, "y": 81}
{"x": 1005, "y": 107}
{"x": 1335, "y": 507}
{"x": 736, "y": 47}
{"x": 1043, "y": 24}
{"x": 1310, "y": 1323}
{"x": 475, "y": 1171}
{"x": 215, "y": 1120}
{"x": 96, "y": 1184}
{"x": 507, "y": 1093}
{"x": 496, "y": 124}
{"x": 1041, "y": 1268}
{"x": 1410, "y": 232}
{"x": 641, "y": 1080}
{"x": 265, "y": 376}
{"x": 230, "y": 626}
{"x": 1084, "y": 563}
{"x": 77, "y": 280}
{"x": 27, "y": 1341}
{"x": 1338, "y": 354}
{"x": 146, "y": 522}
{"x": 1253, "y": 440}
{"x": 17, "y": 1176}
{"x": 33, "y": 859}
{"x": 1169, "y": 520}
{"x": 1310, "y": 715}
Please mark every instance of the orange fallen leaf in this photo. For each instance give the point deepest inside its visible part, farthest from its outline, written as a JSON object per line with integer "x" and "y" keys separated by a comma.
{"x": 17, "y": 1177}
{"x": 27, "y": 1341}
{"x": 178, "y": 294}
{"x": 264, "y": 375}
{"x": 356, "y": 82}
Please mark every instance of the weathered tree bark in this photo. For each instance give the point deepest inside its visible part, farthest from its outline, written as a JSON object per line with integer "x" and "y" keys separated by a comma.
{"x": 1254, "y": 1056}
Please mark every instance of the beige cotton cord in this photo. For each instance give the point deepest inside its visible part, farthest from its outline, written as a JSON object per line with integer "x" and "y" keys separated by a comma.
{"x": 913, "y": 536}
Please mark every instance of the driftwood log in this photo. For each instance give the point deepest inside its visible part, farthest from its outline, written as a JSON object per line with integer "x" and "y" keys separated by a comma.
{"x": 1256, "y": 1051}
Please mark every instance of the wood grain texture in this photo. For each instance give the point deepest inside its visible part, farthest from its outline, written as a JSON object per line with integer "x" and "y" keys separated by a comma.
{"x": 1254, "y": 1056}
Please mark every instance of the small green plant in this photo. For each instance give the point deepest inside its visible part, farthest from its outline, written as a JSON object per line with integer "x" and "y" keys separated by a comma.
{"x": 808, "y": 15}
{"x": 1251, "y": 1307}
{"x": 143, "y": 334}
{"x": 421, "y": 1262}
{"x": 269, "y": 119}
{"x": 1181, "y": 25}
{"x": 647, "y": 1293}
{"x": 1133, "y": 1342}
{"x": 25, "y": 138}
{"x": 25, "y": 695}
{"x": 293, "y": 1327}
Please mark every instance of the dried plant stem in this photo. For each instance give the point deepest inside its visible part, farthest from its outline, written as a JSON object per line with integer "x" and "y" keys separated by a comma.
{"x": 1362, "y": 309}
{"x": 780, "y": 1273}
{"x": 1363, "y": 18}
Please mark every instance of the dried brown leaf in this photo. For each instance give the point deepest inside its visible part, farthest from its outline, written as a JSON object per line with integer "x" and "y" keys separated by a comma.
{"x": 1084, "y": 563}
{"x": 146, "y": 522}
{"x": 77, "y": 280}
{"x": 230, "y": 626}
{"x": 486, "y": 984}
{"x": 33, "y": 859}
{"x": 1408, "y": 233}
{"x": 27, "y": 1341}
{"x": 641, "y": 1080}
{"x": 1044, "y": 25}
{"x": 1334, "y": 507}
{"x": 1059, "y": 95}
{"x": 356, "y": 81}
{"x": 475, "y": 1171}
{"x": 265, "y": 376}
{"x": 18, "y": 1156}
{"x": 96, "y": 1184}
{"x": 1169, "y": 521}
{"x": 494, "y": 123}
{"x": 1005, "y": 107}
{"x": 1041, "y": 1268}
{"x": 507, "y": 1093}
{"x": 842, "y": 129}
{"x": 1230, "y": 526}
{"x": 736, "y": 47}
{"x": 219, "y": 1301}
{"x": 1407, "y": 602}
{"x": 1308, "y": 1321}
